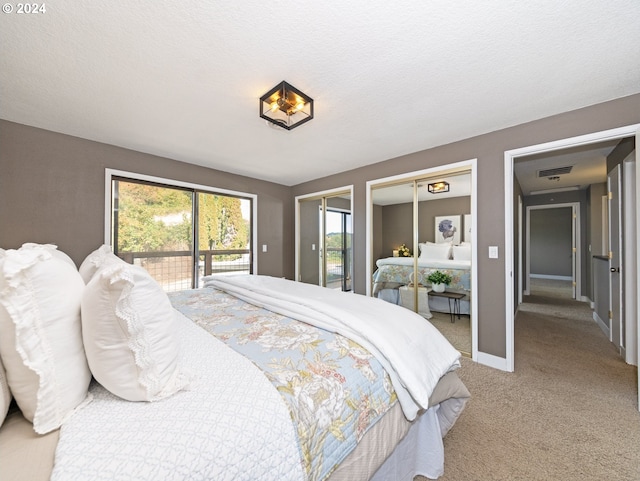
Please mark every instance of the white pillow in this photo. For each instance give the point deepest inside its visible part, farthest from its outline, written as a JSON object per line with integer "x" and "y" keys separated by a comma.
{"x": 462, "y": 252}
{"x": 128, "y": 327}
{"x": 52, "y": 248}
{"x": 41, "y": 342}
{"x": 435, "y": 251}
{"x": 96, "y": 260}
{"x": 5, "y": 394}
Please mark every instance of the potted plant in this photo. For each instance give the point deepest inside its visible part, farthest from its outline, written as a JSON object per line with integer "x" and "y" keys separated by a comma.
{"x": 439, "y": 280}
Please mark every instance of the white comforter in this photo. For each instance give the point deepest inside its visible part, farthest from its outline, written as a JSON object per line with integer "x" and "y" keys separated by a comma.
{"x": 413, "y": 351}
{"x": 233, "y": 425}
{"x": 433, "y": 263}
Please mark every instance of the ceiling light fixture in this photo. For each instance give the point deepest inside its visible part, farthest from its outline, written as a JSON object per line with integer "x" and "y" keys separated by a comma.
{"x": 286, "y": 106}
{"x": 438, "y": 187}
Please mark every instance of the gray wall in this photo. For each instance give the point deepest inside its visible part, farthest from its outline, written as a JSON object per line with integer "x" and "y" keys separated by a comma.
{"x": 601, "y": 294}
{"x": 310, "y": 236}
{"x": 621, "y": 151}
{"x": 489, "y": 150}
{"x": 52, "y": 191}
{"x": 551, "y": 242}
{"x": 397, "y": 221}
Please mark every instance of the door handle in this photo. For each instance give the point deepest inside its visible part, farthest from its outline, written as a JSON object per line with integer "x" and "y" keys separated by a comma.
{"x": 615, "y": 269}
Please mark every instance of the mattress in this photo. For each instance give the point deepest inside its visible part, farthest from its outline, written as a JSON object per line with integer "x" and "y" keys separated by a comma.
{"x": 27, "y": 455}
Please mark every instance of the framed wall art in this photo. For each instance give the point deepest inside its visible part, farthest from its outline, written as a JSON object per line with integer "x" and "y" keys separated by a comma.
{"x": 448, "y": 229}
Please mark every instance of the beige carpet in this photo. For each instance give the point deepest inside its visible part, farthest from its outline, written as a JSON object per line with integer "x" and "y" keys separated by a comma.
{"x": 568, "y": 412}
{"x": 458, "y": 333}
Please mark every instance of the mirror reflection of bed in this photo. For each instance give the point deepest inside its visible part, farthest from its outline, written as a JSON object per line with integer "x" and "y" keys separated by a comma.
{"x": 441, "y": 223}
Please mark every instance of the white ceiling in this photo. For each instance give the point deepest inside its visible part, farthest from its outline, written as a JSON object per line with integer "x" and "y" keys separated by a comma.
{"x": 182, "y": 79}
{"x": 588, "y": 165}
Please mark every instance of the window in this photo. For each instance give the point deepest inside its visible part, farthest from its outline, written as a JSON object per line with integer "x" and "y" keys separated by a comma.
{"x": 179, "y": 232}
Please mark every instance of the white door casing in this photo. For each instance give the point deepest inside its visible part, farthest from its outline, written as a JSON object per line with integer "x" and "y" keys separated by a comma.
{"x": 616, "y": 260}
{"x": 576, "y": 272}
{"x": 630, "y": 243}
{"x": 470, "y": 165}
{"x": 509, "y": 156}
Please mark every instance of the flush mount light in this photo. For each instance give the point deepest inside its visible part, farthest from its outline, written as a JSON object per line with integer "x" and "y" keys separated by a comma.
{"x": 286, "y": 106}
{"x": 438, "y": 187}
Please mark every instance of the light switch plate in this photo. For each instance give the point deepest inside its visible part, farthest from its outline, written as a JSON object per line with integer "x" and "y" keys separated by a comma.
{"x": 264, "y": 247}
{"x": 493, "y": 252}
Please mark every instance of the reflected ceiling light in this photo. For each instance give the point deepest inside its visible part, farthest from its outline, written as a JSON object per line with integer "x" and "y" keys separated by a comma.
{"x": 286, "y": 106}
{"x": 438, "y": 187}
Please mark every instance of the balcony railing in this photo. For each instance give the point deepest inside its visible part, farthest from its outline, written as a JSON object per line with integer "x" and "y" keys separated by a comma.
{"x": 338, "y": 271}
{"x": 173, "y": 270}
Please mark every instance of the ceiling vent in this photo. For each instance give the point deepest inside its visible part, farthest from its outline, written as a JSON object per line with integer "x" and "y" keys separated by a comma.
{"x": 555, "y": 171}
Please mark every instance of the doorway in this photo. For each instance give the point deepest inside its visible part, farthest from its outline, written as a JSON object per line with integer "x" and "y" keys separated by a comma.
{"x": 510, "y": 247}
{"x": 553, "y": 247}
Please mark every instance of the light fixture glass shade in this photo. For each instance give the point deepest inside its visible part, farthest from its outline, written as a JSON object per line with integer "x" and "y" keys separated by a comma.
{"x": 286, "y": 106}
{"x": 438, "y": 187}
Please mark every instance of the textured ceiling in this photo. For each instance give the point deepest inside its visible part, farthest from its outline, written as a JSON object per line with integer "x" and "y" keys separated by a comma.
{"x": 182, "y": 79}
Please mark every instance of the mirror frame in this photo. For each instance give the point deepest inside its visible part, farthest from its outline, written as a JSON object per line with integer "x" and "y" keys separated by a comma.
{"x": 348, "y": 189}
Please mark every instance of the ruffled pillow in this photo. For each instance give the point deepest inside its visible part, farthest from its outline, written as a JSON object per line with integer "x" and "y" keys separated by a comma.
{"x": 5, "y": 394}
{"x": 53, "y": 249}
{"x": 95, "y": 261}
{"x": 41, "y": 342}
{"x": 129, "y": 333}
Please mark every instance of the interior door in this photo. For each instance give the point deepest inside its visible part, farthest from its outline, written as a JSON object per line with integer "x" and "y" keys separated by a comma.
{"x": 615, "y": 257}
{"x": 309, "y": 258}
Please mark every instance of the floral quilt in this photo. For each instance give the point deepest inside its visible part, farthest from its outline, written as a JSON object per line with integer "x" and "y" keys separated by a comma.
{"x": 335, "y": 389}
{"x": 393, "y": 276}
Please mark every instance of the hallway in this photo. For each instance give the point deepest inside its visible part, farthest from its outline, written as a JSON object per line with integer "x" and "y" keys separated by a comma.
{"x": 568, "y": 411}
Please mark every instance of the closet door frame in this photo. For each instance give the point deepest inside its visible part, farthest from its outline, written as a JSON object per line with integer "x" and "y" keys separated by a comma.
{"x": 322, "y": 196}
{"x": 465, "y": 165}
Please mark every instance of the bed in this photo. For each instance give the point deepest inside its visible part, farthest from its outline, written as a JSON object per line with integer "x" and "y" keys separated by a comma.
{"x": 272, "y": 380}
{"x": 393, "y": 273}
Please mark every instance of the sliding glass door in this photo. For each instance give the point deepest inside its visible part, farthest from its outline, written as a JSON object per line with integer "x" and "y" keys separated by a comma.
{"x": 180, "y": 234}
{"x": 337, "y": 247}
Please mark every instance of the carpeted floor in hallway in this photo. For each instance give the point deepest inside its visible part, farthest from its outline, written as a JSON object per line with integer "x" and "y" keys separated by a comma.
{"x": 568, "y": 412}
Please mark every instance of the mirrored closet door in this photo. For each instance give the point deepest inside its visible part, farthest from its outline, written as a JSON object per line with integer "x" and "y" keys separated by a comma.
{"x": 324, "y": 236}
{"x": 421, "y": 250}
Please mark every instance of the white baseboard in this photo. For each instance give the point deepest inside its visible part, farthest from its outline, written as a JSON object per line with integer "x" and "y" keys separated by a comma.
{"x": 601, "y": 323}
{"x": 492, "y": 361}
{"x": 557, "y": 278}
